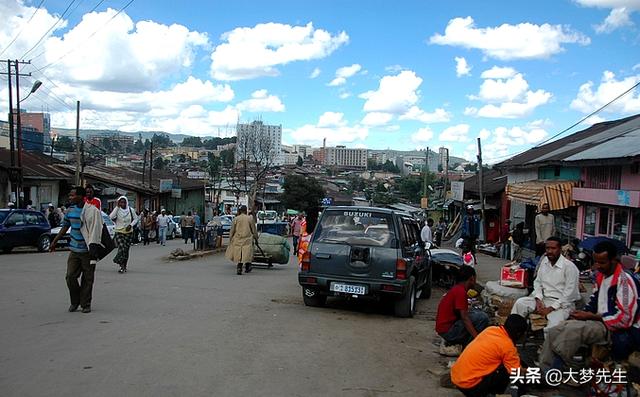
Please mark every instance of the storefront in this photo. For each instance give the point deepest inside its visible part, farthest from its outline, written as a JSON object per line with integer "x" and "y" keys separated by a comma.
{"x": 611, "y": 213}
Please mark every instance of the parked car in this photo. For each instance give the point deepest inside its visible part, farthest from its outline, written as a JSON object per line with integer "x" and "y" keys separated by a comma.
{"x": 446, "y": 264}
{"x": 177, "y": 230}
{"x": 23, "y": 228}
{"x": 64, "y": 240}
{"x": 226, "y": 220}
{"x": 365, "y": 252}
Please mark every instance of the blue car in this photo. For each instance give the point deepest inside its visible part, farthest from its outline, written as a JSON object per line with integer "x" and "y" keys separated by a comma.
{"x": 19, "y": 228}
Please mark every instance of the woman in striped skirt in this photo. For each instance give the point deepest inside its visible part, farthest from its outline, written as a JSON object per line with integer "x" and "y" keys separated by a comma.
{"x": 125, "y": 218}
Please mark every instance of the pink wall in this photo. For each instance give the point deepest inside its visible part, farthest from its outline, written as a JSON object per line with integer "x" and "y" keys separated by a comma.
{"x": 605, "y": 196}
{"x": 629, "y": 181}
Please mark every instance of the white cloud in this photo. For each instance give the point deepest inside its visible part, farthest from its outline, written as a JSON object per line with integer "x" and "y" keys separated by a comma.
{"x": 456, "y": 133}
{"x": 331, "y": 119}
{"x": 376, "y": 119}
{"x": 507, "y": 42}
{"x": 462, "y": 67}
{"x": 507, "y": 95}
{"x": 395, "y": 94}
{"x": 497, "y": 72}
{"x": 633, "y": 4}
{"x": 344, "y": 95}
{"x": 617, "y": 18}
{"x": 343, "y": 73}
{"x": 316, "y": 72}
{"x": 394, "y": 69}
{"x": 334, "y": 128}
{"x": 122, "y": 55}
{"x": 502, "y": 141}
{"x": 415, "y": 113}
{"x": 248, "y": 53}
{"x": 261, "y": 101}
{"x": 636, "y": 67}
{"x": 422, "y": 135}
{"x": 589, "y": 99}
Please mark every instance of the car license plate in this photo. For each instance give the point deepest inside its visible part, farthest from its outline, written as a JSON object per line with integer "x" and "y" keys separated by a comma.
{"x": 348, "y": 288}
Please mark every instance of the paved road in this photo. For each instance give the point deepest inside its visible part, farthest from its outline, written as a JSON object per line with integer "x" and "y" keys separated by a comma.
{"x": 194, "y": 328}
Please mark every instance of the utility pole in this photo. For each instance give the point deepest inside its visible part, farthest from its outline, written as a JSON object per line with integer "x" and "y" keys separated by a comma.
{"x": 82, "y": 163}
{"x": 144, "y": 167}
{"x": 426, "y": 171}
{"x": 446, "y": 170}
{"x": 150, "y": 163}
{"x": 78, "y": 159}
{"x": 12, "y": 137}
{"x": 480, "y": 182}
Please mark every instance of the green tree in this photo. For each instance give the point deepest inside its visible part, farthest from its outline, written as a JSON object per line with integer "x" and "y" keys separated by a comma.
{"x": 380, "y": 188}
{"x": 299, "y": 162}
{"x": 193, "y": 141}
{"x": 471, "y": 167}
{"x": 303, "y": 194}
{"x": 64, "y": 144}
{"x": 158, "y": 163}
{"x": 161, "y": 141}
{"x": 227, "y": 157}
{"x": 389, "y": 166}
{"x": 439, "y": 167}
{"x": 138, "y": 146}
{"x": 380, "y": 198}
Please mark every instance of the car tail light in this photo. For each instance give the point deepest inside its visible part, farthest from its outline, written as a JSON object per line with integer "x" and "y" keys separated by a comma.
{"x": 306, "y": 262}
{"x": 401, "y": 269}
{"x": 312, "y": 280}
{"x": 391, "y": 288}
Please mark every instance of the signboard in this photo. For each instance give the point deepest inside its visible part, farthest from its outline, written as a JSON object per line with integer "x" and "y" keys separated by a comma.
{"x": 176, "y": 193}
{"x": 624, "y": 198}
{"x": 457, "y": 191}
{"x": 196, "y": 175}
{"x": 166, "y": 185}
{"x": 327, "y": 201}
{"x": 424, "y": 202}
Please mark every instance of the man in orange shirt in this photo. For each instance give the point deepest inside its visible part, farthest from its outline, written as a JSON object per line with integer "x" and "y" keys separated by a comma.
{"x": 484, "y": 366}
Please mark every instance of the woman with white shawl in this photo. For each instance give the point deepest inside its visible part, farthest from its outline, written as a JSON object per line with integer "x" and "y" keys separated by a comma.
{"x": 125, "y": 219}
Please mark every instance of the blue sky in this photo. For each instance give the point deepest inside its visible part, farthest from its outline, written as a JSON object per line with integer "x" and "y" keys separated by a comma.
{"x": 377, "y": 74}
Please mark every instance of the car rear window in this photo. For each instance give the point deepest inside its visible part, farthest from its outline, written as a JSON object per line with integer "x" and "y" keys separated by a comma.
{"x": 355, "y": 228}
{"x": 3, "y": 214}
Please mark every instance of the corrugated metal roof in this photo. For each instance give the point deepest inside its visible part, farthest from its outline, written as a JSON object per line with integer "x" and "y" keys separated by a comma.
{"x": 626, "y": 145}
{"x": 597, "y": 136}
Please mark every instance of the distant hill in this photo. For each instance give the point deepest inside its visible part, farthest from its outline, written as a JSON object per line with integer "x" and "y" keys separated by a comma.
{"x": 176, "y": 138}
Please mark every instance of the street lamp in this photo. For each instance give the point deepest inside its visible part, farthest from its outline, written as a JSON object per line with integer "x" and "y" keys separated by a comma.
{"x": 34, "y": 88}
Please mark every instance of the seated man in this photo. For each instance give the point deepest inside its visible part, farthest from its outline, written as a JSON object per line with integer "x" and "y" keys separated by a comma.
{"x": 555, "y": 288}
{"x": 484, "y": 367}
{"x": 612, "y": 312}
{"x": 454, "y": 322}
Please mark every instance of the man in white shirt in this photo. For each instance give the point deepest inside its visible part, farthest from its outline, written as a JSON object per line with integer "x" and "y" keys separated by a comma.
{"x": 163, "y": 223}
{"x": 427, "y": 234}
{"x": 545, "y": 228}
{"x": 555, "y": 289}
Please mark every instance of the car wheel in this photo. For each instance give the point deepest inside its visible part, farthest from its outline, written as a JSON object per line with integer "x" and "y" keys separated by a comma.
{"x": 426, "y": 288}
{"x": 406, "y": 306}
{"x": 7, "y": 250}
{"x": 173, "y": 235}
{"x": 44, "y": 243}
{"x": 312, "y": 297}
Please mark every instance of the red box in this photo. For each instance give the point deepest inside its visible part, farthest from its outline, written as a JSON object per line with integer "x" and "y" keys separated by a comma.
{"x": 514, "y": 276}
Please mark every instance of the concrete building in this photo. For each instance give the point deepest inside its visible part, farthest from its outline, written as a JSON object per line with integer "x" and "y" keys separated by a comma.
{"x": 36, "y": 121}
{"x": 302, "y": 150}
{"x": 4, "y": 135}
{"x": 252, "y": 139}
{"x": 342, "y": 156}
{"x": 443, "y": 156}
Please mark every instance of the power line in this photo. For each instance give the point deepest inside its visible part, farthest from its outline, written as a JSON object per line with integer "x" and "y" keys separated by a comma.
{"x": 49, "y": 30}
{"x": 41, "y": 53}
{"x": 511, "y": 155}
{"x": 21, "y": 29}
{"x": 590, "y": 114}
{"x": 88, "y": 37}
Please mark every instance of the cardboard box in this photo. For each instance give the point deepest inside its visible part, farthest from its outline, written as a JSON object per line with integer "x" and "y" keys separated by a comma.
{"x": 514, "y": 276}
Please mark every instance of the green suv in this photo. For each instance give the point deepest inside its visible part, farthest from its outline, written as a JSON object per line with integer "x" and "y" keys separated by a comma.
{"x": 365, "y": 252}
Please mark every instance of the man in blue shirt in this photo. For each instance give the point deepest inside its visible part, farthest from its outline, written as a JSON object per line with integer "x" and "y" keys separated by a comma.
{"x": 79, "y": 262}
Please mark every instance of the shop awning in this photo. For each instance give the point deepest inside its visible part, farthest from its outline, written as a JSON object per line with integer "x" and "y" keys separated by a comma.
{"x": 555, "y": 193}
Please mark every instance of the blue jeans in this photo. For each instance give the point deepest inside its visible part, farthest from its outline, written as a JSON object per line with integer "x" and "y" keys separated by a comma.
{"x": 162, "y": 235}
{"x": 458, "y": 334}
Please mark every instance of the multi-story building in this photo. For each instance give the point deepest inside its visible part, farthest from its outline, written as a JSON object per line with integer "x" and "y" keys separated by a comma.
{"x": 341, "y": 156}
{"x": 121, "y": 139}
{"x": 302, "y": 150}
{"x": 34, "y": 122}
{"x": 443, "y": 156}
{"x": 4, "y": 135}
{"x": 259, "y": 142}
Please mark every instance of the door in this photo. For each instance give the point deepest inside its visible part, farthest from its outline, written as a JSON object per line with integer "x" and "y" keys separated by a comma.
{"x": 14, "y": 230}
{"x": 33, "y": 228}
{"x": 412, "y": 249}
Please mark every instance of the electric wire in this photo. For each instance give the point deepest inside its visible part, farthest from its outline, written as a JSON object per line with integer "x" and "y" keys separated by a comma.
{"x": 50, "y": 29}
{"x": 22, "y": 28}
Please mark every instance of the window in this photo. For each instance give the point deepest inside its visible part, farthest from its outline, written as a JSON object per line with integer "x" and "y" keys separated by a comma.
{"x": 620, "y": 224}
{"x": 355, "y": 227}
{"x": 635, "y": 231}
{"x": 603, "y": 227}
{"x": 590, "y": 220}
{"x": 16, "y": 219}
{"x": 34, "y": 219}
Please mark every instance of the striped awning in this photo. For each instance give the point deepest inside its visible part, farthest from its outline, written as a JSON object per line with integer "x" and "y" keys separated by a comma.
{"x": 555, "y": 193}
